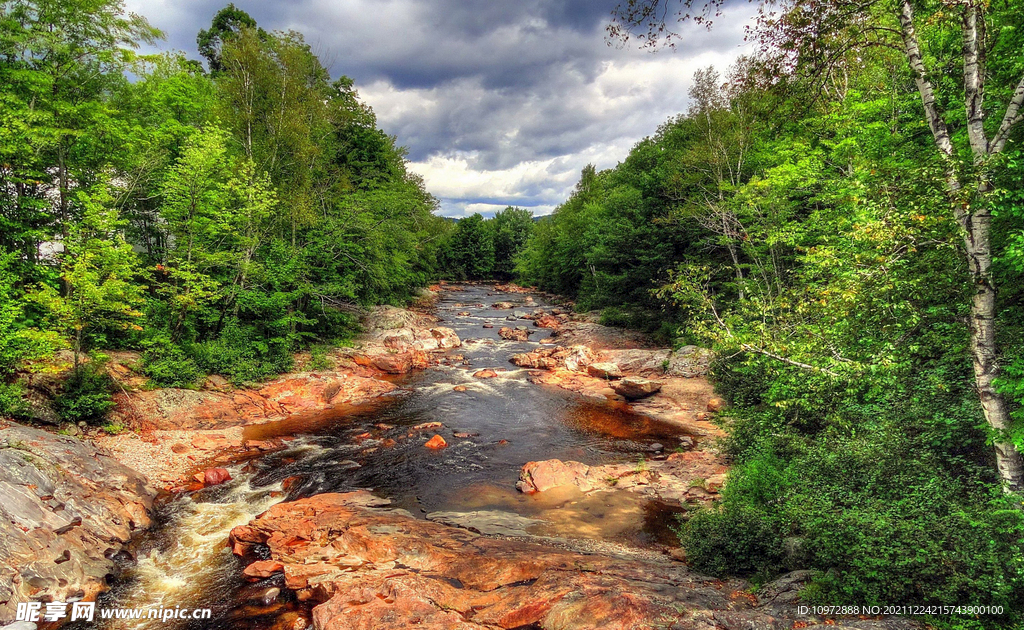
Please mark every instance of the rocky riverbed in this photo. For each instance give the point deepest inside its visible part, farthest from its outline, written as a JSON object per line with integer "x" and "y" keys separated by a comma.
{"x": 495, "y": 461}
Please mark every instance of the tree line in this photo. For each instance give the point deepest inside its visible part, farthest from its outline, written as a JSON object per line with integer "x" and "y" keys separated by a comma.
{"x": 217, "y": 217}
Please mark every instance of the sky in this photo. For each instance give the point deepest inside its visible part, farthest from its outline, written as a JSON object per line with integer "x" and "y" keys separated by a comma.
{"x": 498, "y": 102}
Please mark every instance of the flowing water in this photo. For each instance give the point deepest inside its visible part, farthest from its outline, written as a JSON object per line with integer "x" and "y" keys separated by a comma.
{"x": 185, "y": 561}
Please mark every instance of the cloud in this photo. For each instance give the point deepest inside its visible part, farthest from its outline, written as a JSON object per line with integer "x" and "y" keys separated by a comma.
{"x": 498, "y": 103}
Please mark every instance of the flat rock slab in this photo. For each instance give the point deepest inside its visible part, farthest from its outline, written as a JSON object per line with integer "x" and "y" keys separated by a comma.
{"x": 487, "y": 522}
{"x": 65, "y": 509}
{"x": 383, "y": 569}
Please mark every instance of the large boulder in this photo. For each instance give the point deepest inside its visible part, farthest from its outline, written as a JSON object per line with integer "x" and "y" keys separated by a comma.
{"x": 554, "y": 473}
{"x": 66, "y": 509}
{"x": 607, "y": 371}
{"x": 633, "y": 387}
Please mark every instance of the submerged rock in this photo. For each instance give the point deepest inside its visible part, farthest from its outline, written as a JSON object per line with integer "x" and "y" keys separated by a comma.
{"x": 437, "y": 442}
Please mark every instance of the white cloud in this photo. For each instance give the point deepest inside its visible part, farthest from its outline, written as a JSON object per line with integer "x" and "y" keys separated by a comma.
{"x": 499, "y": 103}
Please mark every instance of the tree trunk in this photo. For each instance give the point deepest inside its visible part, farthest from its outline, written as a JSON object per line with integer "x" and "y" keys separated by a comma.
{"x": 977, "y": 227}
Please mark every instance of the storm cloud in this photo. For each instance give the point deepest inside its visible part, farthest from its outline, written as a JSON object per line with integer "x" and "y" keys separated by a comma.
{"x": 498, "y": 103}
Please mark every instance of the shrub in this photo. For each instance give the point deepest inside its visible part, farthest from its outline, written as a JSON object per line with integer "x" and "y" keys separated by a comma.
{"x": 318, "y": 359}
{"x": 733, "y": 539}
{"x": 87, "y": 394}
{"x": 242, "y": 356}
{"x": 168, "y": 365}
{"x": 11, "y": 401}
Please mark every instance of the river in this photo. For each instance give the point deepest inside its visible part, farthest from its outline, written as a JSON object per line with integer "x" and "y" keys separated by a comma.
{"x": 501, "y": 422}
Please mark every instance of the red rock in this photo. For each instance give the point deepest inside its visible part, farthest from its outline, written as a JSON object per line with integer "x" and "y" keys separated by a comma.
{"x": 179, "y": 448}
{"x": 436, "y": 442}
{"x": 546, "y": 321}
{"x": 553, "y": 473}
{"x": 428, "y": 425}
{"x": 288, "y": 482}
{"x": 716, "y": 404}
{"x": 459, "y": 388}
{"x": 485, "y": 374}
{"x": 463, "y": 434}
{"x": 199, "y": 477}
{"x": 363, "y": 436}
{"x": 245, "y": 533}
{"x": 215, "y": 476}
{"x": 388, "y": 443}
{"x": 513, "y": 334}
{"x": 367, "y": 569}
{"x": 263, "y": 569}
{"x": 488, "y": 326}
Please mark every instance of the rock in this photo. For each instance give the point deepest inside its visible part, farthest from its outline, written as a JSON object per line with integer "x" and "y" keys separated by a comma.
{"x": 513, "y": 334}
{"x": 463, "y": 313}
{"x": 577, "y": 358}
{"x": 400, "y": 362}
{"x": 552, "y": 473}
{"x": 655, "y": 447}
{"x": 437, "y": 442}
{"x": 634, "y": 387}
{"x": 573, "y": 358}
{"x": 373, "y": 569}
{"x": 546, "y": 321}
{"x": 716, "y": 404}
{"x": 459, "y": 388}
{"x": 179, "y": 448}
{"x": 428, "y": 425}
{"x": 520, "y": 314}
{"x": 263, "y": 569}
{"x": 487, "y": 522}
{"x": 606, "y": 371}
{"x": 488, "y": 373}
{"x": 62, "y": 498}
{"x": 488, "y": 325}
{"x": 464, "y": 434}
{"x": 216, "y": 381}
{"x": 502, "y": 305}
{"x": 215, "y": 476}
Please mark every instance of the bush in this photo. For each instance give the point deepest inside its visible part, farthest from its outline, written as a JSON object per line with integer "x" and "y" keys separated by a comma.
{"x": 733, "y": 539}
{"x": 168, "y": 365}
{"x": 242, "y": 356}
{"x": 12, "y": 403}
{"x": 86, "y": 395}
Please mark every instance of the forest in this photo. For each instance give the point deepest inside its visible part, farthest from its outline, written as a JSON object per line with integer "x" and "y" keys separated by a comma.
{"x": 810, "y": 218}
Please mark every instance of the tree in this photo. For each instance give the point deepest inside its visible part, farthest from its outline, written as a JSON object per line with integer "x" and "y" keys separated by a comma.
{"x": 471, "y": 249}
{"x": 819, "y": 39}
{"x": 60, "y": 58}
{"x": 511, "y": 228}
{"x": 227, "y": 23}
{"x": 99, "y": 276}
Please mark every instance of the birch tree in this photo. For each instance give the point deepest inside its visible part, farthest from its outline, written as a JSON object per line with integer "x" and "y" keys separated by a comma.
{"x": 971, "y": 119}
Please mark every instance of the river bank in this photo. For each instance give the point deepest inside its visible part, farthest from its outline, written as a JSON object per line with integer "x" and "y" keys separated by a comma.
{"x": 537, "y": 443}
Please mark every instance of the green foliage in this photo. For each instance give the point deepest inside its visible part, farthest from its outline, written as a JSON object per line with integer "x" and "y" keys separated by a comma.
{"x": 168, "y": 365}
{"x": 87, "y": 394}
{"x": 733, "y": 540}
